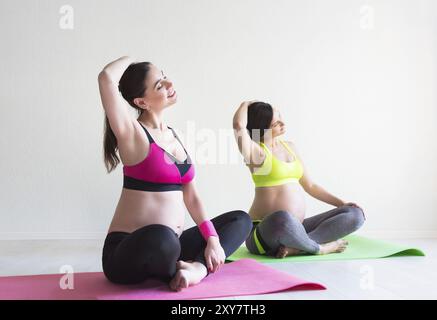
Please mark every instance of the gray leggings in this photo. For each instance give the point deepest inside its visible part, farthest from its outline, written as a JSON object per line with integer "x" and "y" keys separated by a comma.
{"x": 282, "y": 228}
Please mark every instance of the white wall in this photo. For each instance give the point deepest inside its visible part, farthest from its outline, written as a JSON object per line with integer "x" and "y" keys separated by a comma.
{"x": 357, "y": 93}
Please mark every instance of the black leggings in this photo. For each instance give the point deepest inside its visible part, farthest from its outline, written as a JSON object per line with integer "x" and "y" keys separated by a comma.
{"x": 153, "y": 250}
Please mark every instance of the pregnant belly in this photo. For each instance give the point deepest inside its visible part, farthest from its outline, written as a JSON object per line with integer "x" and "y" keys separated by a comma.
{"x": 137, "y": 209}
{"x": 288, "y": 197}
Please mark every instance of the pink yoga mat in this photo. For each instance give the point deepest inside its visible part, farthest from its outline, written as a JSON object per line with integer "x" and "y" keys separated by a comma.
{"x": 242, "y": 277}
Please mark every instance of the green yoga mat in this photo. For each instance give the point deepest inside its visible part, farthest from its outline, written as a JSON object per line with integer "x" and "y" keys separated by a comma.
{"x": 359, "y": 248}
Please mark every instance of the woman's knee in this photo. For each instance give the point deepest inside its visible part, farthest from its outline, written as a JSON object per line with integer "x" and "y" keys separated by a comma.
{"x": 355, "y": 217}
{"x": 242, "y": 219}
{"x": 237, "y": 215}
{"x": 169, "y": 245}
{"x": 165, "y": 253}
{"x": 278, "y": 225}
{"x": 159, "y": 241}
{"x": 280, "y": 219}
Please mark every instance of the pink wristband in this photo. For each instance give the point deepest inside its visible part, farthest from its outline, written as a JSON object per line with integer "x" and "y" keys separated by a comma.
{"x": 207, "y": 229}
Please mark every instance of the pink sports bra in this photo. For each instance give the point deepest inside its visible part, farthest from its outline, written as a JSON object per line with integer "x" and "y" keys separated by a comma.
{"x": 159, "y": 171}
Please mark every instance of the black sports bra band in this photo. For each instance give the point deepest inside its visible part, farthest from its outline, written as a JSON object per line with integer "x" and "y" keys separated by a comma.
{"x": 136, "y": 184}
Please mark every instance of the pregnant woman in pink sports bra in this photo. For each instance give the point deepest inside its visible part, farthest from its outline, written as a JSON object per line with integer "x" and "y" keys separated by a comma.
{"x": 146, "y": 237}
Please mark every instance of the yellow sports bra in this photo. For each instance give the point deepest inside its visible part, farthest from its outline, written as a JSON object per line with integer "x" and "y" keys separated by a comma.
{"x": 274, "y": 172}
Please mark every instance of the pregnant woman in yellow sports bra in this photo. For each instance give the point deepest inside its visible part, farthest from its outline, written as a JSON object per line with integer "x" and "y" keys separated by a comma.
{"x": 278, "y": 210}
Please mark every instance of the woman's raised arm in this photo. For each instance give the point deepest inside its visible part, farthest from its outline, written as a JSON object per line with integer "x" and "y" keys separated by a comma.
{"x": 116, "y": 110}
{"x": 252, "y": 152}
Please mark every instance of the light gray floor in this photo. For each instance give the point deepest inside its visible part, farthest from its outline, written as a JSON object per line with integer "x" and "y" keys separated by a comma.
{"x": 389, "y": 278}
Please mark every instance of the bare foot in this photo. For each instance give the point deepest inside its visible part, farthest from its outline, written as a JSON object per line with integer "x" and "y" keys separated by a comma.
{"x": 334, "y": 246}
{"x": 283, "y": 251}
{"x": 187, "y": 274}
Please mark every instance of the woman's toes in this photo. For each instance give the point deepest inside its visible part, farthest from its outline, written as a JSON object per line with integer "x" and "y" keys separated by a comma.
{"x": 183, "y": 283}
{"x": 342, "y": 244}
{"x": 282, "y": 252}
{"x": 174, "y": 283}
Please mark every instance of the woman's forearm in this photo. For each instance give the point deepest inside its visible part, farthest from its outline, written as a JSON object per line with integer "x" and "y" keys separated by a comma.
{"x": 321, "y": 194}
{"x": 115, "y": 69}
{"x": 196, "y": 210}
